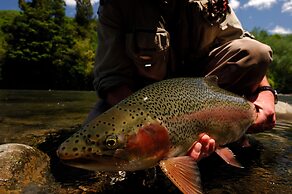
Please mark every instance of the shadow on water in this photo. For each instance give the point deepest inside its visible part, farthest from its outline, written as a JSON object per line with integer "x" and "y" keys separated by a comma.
{"x": 44, "y": 119}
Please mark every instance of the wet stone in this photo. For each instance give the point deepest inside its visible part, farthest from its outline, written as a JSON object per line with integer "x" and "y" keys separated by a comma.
{"x": 23, "y": 168}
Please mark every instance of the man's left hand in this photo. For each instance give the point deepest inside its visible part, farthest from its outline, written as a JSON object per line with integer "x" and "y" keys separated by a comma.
{"x": 266, "y": 116}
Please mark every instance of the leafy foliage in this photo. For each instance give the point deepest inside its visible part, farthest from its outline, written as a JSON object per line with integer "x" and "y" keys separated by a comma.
{"x": 280, "y": 71}
{"x": 84, "y": 12}
{"x": 6, "y": 18}
{"x": 44, "y": 49}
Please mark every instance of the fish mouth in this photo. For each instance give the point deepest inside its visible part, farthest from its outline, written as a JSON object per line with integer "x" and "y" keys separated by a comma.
{"x": 98, "y": 163}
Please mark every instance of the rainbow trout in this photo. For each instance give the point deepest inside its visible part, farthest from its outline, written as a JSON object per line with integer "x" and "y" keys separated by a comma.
{"x": 158, "y": 125}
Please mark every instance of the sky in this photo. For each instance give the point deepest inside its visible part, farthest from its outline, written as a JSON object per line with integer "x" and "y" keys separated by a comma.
{"x": 273, "y": 16}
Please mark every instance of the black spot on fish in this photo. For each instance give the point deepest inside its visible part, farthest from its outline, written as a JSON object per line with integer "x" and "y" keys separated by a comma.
{"x": 76, "y": 141}
{"x": 75, "y": 149}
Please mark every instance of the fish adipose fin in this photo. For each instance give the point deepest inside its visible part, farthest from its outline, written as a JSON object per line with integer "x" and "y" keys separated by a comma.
{"x": 227, "y": 155}
{"x": 184, "y": 173}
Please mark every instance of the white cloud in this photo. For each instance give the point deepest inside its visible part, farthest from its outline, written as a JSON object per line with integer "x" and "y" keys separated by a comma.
{"x": 260, "y": 4}
{"x": 287, "y": 7}
{"x": 281, "y": 30}
{"x": 73, "y": 2}
{"x": 70, "y": 2}
{"x": 234, "y": 4}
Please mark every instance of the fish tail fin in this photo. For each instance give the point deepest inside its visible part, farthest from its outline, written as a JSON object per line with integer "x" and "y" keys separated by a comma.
{"x": 184, "y": 173}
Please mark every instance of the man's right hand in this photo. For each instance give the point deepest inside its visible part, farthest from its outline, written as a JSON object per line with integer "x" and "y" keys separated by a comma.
{"x": 203, "y": 147}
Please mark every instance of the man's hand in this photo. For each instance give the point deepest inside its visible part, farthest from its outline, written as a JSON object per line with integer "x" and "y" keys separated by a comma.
{"x": 203, "y": 147}
{"x": 265, "y": 107}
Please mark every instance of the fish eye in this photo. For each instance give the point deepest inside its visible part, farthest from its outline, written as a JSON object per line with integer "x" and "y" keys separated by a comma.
{"x": 111, "y": 141}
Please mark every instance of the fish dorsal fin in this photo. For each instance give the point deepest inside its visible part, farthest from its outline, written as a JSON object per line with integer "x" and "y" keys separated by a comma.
{"x": 212, "y": 79}
{"x": 227, "y": 155}
{"x": 184, "y": 173}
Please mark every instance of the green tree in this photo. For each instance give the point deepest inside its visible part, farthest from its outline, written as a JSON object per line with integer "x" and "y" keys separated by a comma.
{"x": 58, "y": 8}
{"x": 36, "y": 41}
{"x": 22, "y": 4}
{"x": 280, "y": 71}
{"x": 6, "y": 18}
{"x": 84, "y": 12}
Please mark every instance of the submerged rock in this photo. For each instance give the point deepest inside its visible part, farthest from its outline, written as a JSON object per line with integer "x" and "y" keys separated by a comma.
{"x": 23, "y": 168}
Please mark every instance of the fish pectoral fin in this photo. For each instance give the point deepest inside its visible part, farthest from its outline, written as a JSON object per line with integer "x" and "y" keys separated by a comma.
{"x": 228, "y": 156}
{"x": 184, "y": 173}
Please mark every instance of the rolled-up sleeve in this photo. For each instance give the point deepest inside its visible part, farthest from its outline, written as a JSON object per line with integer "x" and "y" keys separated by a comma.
{"x": 112, "y": 65}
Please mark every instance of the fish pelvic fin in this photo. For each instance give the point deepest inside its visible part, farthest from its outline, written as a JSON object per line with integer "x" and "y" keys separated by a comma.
{"x": 184, "y": 173}
{"x": 228, "y": 156}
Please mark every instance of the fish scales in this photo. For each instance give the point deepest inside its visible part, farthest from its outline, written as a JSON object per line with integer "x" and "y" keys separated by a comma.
{"x": 158, "y": 122}
{"x": 181, "y": 96}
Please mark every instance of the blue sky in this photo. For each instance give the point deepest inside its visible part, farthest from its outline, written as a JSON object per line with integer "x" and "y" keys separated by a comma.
{"x": 273, "y": 16}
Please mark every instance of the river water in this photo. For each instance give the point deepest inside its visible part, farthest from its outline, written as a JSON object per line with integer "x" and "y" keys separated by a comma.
{"x": 30, "y": 116}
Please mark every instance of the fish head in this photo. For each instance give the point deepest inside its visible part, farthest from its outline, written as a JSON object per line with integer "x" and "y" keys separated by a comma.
{"x": 116, "y": 140}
